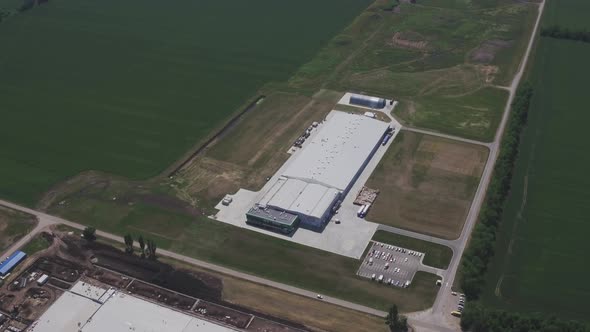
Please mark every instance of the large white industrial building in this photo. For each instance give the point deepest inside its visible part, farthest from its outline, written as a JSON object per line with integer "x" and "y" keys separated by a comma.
{"x": 321, "y": 174}
{"x": 87, "y": 308}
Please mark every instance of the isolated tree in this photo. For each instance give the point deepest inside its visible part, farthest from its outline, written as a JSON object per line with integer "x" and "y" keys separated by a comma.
{"x": 129, "y": 244}
{"x": 151, "y": 249}
{"x": 395, "y": 322}
{"x": 392, "y": 317}
{"x": 402, "y": 324}
{"x": 89, "y": 233}
{"x": 141, "y": 245}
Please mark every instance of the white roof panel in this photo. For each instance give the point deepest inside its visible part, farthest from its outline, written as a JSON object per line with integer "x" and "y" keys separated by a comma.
{"x": 288, "y": 193}
{"x": 120, "y": 313}
{"x": 68, "y": 313}
{"x": 326, "y": 165}
{"x": 87, "y": 290}
{"x": 336, "y": 153}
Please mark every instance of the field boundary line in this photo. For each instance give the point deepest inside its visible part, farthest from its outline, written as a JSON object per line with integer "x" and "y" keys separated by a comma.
{"x": 183, "y": 161}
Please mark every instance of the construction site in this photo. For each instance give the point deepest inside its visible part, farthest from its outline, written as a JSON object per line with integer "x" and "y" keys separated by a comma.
{"x": 88, "y": 286}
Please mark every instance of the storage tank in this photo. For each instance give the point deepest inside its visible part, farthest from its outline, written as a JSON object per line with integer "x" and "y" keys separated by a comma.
{"x": 372, "y": 102}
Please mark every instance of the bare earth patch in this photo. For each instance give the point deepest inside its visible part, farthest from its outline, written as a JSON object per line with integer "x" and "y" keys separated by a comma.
{"x": 486, "y": 52}
{"x": 409, "y": 40}
{"x": 426, "y": 184}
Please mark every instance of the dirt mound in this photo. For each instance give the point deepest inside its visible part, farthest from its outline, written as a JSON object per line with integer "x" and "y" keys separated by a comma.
{"x": 409, "y": 39}
{"x": 486, "y": 52}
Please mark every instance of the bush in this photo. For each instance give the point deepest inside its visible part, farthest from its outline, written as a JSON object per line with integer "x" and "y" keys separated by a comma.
{"x": 89, "y": 233}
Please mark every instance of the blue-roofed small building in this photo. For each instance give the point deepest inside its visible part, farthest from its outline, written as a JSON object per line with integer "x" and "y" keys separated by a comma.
{"x": 11, "y": 262}
{"x": 367, "y": 101}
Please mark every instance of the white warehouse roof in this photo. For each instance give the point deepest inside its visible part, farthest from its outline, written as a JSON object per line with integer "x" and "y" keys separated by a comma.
{"x": 326, "y": 165}
{"x": 119, "y": 313}
{"x": 300, "y": 197}
{"x": 336, "y": 153}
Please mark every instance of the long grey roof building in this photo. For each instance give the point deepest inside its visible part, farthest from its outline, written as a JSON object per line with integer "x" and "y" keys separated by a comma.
{"x": 325, "y": 169}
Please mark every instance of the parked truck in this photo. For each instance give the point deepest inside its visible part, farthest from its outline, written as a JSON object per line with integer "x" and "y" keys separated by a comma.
{"x": 364, "y": 210}
{"x": 360, "y": 211}
{"x": 386, "y": 139}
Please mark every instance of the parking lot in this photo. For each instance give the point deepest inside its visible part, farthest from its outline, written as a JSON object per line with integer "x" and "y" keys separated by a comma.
{"x": 390, "y": 265}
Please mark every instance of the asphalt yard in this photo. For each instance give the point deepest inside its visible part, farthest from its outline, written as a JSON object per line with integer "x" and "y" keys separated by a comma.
{"x": 390, "y": 265}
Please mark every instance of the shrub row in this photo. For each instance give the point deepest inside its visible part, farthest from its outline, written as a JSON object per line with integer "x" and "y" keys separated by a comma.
{"x": 565, "y": 33}
{"x": 477, "y": 318}
{"x": 481, "y": 248}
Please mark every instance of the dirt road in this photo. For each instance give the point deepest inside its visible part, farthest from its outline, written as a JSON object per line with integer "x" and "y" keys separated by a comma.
{"x": 434, "y": 319}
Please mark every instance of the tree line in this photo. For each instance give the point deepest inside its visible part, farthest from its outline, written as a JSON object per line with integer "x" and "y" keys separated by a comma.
{"x": 558, "y": 32}
{"x": 481, "y": 247}
{"x": 147, "y": 248}
{"x": 478, "y": 318}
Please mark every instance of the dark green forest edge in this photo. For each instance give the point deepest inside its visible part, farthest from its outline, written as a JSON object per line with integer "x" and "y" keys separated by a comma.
{"x": 478, "y": 318}
{"x": 478, "y": 255}
{"x": 558, "y": 32}
{"x": 481, "y": 248}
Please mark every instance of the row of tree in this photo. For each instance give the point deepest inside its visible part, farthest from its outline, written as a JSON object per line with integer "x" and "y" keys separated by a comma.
{"x": 147, "y": 247}
{"x": 481, "y": 247}
{"x": 478, "y": 318}
{"x": 558, "y": 32}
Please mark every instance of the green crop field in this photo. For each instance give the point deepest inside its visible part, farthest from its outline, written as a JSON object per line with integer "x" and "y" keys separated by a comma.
{"x": 13, "y": 226}
{"x": 541, "y": 257}
{"x": 567, "y": 13}
{"x": 127, "y": 87}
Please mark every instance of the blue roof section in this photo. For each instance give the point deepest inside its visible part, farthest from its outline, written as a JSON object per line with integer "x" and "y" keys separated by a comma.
{"x": 12, "y": 261}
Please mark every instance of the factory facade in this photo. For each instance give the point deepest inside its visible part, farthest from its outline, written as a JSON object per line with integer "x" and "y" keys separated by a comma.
{"x": 307, "y": 192}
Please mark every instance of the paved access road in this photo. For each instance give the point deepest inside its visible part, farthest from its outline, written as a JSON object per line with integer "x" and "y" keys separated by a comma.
{"x": 46, "y": 220}
{"x": 438, "y": 316}
{"x": 434, "y": 319}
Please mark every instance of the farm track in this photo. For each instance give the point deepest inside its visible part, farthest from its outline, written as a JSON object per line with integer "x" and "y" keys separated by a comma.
{"x": 433, "y": 319}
